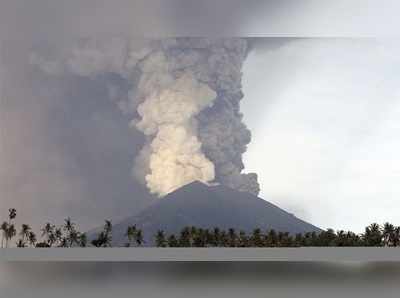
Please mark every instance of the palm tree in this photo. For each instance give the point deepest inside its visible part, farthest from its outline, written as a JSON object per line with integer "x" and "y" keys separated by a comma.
{"x": 373, "y": 235}
{"x": 68, "y": 225}
{"x": 108, "y": 233}
{"x": 299, "y": 240}
{"x": 57, "y": 236}
{"x": 139, "y": 238}
{"x": 217, "y": 236}
{"x": 4, "y": 228}
{"x": 172, "y": 241}
{"x": 184, "y": 239}
{"x": 69, "y": 229}
{"x": 72, "y": 237}
{"x": 130, "y": 233}
{"x": 25, "y": 229}
{"x": 104, "y": 239}
{"x": 232, "y": 237}
{"x": 11, "y": 232}
{"x": 388, "y": 234}
{"x": 32, "y": 238}
{"x": 326, "y": 238}
{"x": 24, "y": 233}
{"x": 272, "y": 238}
{"x": 285, "y": 239}
{"x": 256, "y": 238}
{"x": 341, "y": 238}
{"x": 12, "y": 214}
{"x": 199, "y": 237}
{"x": 353, "y": 239}
{"x": 49, "y": 234}
{"x": 396, "y": 237}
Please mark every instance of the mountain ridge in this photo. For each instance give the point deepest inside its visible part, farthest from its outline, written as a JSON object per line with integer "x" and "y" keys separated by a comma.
{"x": 203, "y": 206}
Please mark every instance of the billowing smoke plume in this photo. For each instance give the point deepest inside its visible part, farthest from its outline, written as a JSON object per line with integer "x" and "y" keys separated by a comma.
{"x": 173, "y": 153}
{"x": 184, "y": 96}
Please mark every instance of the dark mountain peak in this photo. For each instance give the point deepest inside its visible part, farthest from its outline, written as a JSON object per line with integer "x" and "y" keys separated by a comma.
{"x": 193, "y": 186}
{"x": 192, "y": 191}
{"x": 204, "y": 206}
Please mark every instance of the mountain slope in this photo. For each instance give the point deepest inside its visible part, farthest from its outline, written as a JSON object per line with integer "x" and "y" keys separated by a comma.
{"x": 199, "y": 205}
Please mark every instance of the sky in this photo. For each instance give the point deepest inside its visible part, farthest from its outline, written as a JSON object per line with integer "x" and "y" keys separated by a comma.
{"x": 324, "y": 115}
{"x": 322, "y": 111}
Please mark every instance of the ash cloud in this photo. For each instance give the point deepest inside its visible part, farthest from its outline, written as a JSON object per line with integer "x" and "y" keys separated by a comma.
{"x": 184, "y": 96}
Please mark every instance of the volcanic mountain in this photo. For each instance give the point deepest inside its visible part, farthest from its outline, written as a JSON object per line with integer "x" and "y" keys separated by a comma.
{"x": 203, "y": 206}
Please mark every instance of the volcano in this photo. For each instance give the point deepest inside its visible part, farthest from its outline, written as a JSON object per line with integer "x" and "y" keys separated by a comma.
{"x": 203, "y": 206}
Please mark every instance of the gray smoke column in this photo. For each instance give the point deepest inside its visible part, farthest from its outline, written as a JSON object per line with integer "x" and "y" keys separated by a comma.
{"x": 184, "y": 97}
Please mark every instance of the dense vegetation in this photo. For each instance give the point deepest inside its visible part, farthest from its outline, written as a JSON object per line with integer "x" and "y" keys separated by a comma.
{"x": 68, "y": 235}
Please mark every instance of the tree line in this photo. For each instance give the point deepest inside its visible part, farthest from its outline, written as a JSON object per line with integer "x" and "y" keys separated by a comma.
{"x": 65, "y": 235}
{"x": 68, "y": 235}
{"x": 375, "y": 235}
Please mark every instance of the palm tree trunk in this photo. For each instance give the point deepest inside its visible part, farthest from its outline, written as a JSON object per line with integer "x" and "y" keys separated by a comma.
{"x": 9, "y": 223}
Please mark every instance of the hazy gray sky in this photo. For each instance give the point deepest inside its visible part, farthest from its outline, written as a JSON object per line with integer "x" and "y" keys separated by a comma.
{"x": 335, "y": 98}
{"x": 324, "y": 114}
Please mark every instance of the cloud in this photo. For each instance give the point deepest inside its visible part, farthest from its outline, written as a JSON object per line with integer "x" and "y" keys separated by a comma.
{"x": 52, "y": 122}
{"x": 57, "y": 135}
